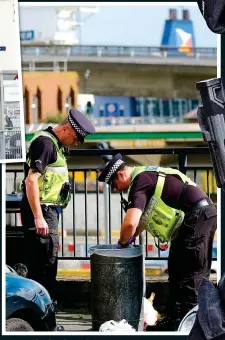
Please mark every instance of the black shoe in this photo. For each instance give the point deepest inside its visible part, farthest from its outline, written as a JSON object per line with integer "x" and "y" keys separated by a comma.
{"x": 165, "y": 324}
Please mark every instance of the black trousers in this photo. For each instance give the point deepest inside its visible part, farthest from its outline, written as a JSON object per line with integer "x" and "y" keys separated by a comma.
{"x": 41, "y": 250}
{"x": 190, "y": 259}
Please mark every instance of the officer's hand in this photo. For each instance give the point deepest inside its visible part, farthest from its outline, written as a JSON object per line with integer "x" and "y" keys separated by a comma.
{"x": 132, "y": 240}
{"x": 120, "y": 245}
{"x": 41, "y": 226}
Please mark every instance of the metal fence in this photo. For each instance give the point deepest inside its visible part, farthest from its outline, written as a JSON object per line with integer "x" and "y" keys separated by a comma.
{"x": 151, "y": 119}
{"x": 117, "y": 51}
{"x": 94, "y": 214}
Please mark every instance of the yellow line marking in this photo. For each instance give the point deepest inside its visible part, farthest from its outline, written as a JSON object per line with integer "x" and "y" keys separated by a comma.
{"x": 73, "y": 272}
{"x": 86, "y": 272}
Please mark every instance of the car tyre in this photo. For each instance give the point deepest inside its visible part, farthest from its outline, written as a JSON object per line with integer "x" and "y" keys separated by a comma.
{"x": 18, "y": 325}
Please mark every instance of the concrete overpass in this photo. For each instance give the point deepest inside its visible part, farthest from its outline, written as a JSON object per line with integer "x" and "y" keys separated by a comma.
{"x": 126, "y": 71}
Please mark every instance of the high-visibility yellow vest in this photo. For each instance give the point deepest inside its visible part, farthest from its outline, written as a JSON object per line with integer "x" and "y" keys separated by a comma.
{"x": 158, "y": 218}
{"x": 55, "y": 177}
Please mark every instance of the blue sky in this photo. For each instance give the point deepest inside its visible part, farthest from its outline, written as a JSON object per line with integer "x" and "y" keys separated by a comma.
{"x": 139, "y": 25}
{"x": 120, "y": 25}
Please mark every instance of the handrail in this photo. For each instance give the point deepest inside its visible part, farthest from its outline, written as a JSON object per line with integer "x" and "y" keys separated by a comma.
{"x": 41, "y": 48}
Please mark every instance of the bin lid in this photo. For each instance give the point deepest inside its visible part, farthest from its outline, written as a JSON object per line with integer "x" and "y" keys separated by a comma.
{"x": 110, "y": 250}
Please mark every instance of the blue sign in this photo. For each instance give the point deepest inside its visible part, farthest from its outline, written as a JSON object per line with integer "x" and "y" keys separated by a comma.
{"x": 111, "y": 110}
{"x": 2, "y": 48}
{"x": 26, "y": 35}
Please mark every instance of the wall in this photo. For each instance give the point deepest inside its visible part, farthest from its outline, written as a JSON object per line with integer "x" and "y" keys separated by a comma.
{"x": 49, "y": 85}
{"x": 140, "y": 80}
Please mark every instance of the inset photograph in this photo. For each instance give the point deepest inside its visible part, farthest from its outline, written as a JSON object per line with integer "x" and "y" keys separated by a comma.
{"x": 111, "y": 222}
{"x": 12, "y": 146}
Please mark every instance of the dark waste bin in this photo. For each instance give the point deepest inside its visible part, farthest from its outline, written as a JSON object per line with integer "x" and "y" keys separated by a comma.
{"x": 14, "y": 245}
{"x": 117, "y": 285}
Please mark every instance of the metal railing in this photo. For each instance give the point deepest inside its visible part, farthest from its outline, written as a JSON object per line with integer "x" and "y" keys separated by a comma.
{"x": 94, "y": 214}
{"x": 151, "y": 119}
{"x": 50, "y": 49}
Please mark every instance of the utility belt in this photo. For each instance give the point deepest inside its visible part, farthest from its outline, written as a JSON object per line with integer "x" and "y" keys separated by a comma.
{"x": 204, "y": 202}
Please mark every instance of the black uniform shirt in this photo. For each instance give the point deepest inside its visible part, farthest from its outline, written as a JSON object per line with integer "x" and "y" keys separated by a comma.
{"x": 42, "y": 152}
{"x": 144, "y": 185}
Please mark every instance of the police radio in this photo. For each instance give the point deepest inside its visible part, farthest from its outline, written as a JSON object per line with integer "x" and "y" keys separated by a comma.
{"x": 65, "y": 192}
{"x": 123, "y": 202}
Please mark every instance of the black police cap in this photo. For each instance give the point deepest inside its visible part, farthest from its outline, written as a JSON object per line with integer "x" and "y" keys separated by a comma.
{"x": 80, "y": 123}
{"x": 110, "y": 170}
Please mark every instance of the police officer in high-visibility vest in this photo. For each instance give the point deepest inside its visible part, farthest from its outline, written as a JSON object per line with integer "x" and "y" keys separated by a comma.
{"x": 171, "y": 207}
{"x": 46, "y": 188}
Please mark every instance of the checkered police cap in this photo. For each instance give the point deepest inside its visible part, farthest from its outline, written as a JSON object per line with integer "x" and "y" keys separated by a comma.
{"x": 80, "y": 123}
{"x": 111, "y": 169}
{"x": 77, "y": 128}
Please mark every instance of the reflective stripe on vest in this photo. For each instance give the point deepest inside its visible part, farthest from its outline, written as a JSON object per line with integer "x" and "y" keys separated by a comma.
{"x": 57, "y": 170}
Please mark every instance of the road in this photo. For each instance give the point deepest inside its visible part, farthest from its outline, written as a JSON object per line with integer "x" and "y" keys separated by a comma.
{"x": 74, "y": 320}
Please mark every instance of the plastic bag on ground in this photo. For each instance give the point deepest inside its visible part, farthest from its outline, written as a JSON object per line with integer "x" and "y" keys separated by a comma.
{"x": 150, "y": 314}
{"x": 113, "y": 326}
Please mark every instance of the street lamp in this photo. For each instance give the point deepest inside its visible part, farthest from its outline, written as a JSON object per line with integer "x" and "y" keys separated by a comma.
{"x": 34, "y": 111}
{"x": 86, "y": 76}
{"x": 67, "y": 107}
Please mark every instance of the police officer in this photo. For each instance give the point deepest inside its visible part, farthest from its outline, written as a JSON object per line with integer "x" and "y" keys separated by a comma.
{"x": 46, "y": 187}
{"x": 166, "y": 203}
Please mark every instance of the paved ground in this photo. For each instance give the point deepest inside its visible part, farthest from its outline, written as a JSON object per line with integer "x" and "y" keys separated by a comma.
{"x": 74, "y": 320}
{"x": 79, "y": 320}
